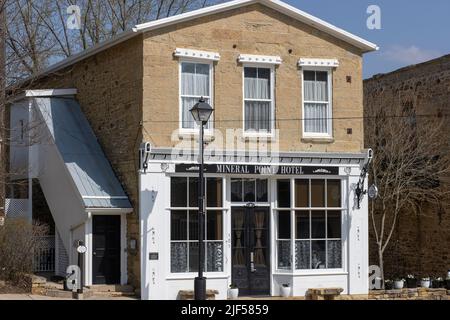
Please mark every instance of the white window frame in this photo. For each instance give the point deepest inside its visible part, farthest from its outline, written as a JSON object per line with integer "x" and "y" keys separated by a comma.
{"x": 195, "y": 130}
{"x": 292, "y": 209}
{"x": 223, "y": 209}
{"x": 329, "y": 133}
{"x": 252, "y": 133}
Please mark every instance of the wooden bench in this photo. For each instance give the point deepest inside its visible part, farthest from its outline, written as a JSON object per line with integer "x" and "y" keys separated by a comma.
{"x": 323, "y": 293}
{"x": 189, "y": 294}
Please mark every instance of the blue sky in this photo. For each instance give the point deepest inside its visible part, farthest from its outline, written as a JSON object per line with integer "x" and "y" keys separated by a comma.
{"x": 412, "y": 31}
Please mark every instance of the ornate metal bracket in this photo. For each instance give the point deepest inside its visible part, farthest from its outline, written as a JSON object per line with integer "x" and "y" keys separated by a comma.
{"x": 359, "y": 190}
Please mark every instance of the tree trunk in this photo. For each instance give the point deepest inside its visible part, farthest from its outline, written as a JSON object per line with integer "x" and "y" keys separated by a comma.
{"x": 2, "y": 107}
{"x": 381, "y": 264}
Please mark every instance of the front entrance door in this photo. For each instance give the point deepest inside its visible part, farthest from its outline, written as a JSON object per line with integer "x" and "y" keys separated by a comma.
{"x": 106, "y": 249}
{"x": 250, "y": 250}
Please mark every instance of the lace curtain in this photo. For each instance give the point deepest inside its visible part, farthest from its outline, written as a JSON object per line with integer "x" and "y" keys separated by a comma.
{"x": 316, "y": 90}
{"x": 194, "y": 84}
{"x": 214, "y": 256}
{"x": 178, "y": 257}
{"x": 334, "y": 250}
{"x": 257, "y": 87}
{"x": 284, "y": 254}
{"x": 302, "y": 254}
{"x": 303, "y": 258}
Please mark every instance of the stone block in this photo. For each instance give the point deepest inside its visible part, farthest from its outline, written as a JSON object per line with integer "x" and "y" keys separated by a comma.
{"x": 189, "y": 294}
{"x": 324, "y": 293}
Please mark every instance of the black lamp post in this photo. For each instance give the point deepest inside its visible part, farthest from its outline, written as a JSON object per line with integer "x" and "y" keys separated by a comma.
{"x": 201, "y": 112}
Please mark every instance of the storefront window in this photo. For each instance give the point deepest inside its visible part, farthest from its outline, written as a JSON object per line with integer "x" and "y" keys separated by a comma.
{"x": 317, "y": 217}
{"x": 184, "y": 225}
{"x": 284, "y": 193}
{"x": 284, "y": 240}
{"x": 249, "y": 190}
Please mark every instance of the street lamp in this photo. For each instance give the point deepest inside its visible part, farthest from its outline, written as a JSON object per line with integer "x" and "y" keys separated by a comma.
{"x": 201, "y": 112}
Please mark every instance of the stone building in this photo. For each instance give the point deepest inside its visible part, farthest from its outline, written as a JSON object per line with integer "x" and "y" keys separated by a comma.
{"x": 421, "y": 244}
{"x": 116, "y": 152}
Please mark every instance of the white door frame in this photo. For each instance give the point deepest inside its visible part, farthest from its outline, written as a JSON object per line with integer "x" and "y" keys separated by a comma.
{"x": 89, "y": 244}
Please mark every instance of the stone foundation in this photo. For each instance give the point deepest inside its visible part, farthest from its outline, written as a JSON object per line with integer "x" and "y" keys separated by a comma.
{"x": 403, "y": 294}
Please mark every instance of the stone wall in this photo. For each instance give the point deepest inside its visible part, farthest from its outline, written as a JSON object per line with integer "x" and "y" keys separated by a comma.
{"x": 110, "y": 94}
{"x": 253, "y": 29}
{"x": 421, "y": 245}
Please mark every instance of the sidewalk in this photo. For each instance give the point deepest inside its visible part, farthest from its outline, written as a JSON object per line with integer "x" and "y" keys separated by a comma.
{"x": 18, "y": 296}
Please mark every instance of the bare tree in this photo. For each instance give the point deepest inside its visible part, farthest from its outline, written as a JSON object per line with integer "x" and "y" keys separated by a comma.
{"x": 409, "y": 166}
{"x": 19, "y": 240}
{"x": 2, "y": 108}
{"x": 38, "y": 33}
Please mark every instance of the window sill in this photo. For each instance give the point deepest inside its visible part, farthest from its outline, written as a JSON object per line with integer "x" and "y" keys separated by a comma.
{"x": 298, "y": 273}
{"x": 318, "y": 139}
{"x": 268, "y": 137}
{"x": 208, "y": 136}
{"x": 191, "y": 276}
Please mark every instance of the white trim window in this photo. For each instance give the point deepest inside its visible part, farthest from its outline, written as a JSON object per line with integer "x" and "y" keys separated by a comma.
{"x": 309, "y": 224}
{"x": 195, "y": 82}
{"x": 259, "y": 102}
{"x": 317, "y": 102}
{"x": 184, "y": 225}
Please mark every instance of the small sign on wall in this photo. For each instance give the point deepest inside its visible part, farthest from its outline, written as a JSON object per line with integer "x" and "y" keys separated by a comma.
{"x": 153, "y": 256}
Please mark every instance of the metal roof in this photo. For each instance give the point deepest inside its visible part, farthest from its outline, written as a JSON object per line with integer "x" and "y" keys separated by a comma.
{"x": 77, "y": 144}
{"x": 224, "y": 156}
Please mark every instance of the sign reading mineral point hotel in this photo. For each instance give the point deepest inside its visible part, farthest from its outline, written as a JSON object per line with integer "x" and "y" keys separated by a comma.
{"x": 258, "y": 169}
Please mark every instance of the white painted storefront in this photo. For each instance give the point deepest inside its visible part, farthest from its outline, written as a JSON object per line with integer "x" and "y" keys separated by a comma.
{"x": 342, "y": 262}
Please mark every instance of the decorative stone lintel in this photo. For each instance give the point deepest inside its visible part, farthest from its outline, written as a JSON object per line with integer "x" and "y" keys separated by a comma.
{"x": 196, "y": 54}
{"x": 325, "y": 63}
{"x": 251, "y": 58}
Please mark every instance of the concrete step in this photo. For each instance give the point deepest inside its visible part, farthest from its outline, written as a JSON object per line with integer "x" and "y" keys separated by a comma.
{"x": 54, "y": 285}
{"x": 55, "y": 293}
{"x": 111, "y": 288}
{"x": 114, "y": 294}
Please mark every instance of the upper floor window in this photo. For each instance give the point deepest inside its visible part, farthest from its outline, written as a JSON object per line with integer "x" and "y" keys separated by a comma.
{"x": 317, "y": 109}
{"x": 195, "y": 82}
{"x": 258, "y": 99}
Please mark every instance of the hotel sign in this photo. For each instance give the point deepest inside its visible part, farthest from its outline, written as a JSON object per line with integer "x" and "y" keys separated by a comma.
{"x": 258, "y": 169}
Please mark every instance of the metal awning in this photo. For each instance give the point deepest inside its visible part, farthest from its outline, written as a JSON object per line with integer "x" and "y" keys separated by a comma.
{"x": 223, "y": 156}
{"x": 83, "y": 157}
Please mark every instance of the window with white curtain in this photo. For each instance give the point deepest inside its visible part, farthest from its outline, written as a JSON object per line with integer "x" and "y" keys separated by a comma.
{"x": 184, "y": 251}
{"x": 195, "y": 82}
{"x": 258, "y": 100}
{"x": 309, "y": 224}
{"x": 317, "y": 103}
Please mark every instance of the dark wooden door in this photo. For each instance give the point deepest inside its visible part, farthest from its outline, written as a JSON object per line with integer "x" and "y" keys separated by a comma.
{"x": 251, "y": 250}
{"x": 106, "y": 250}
